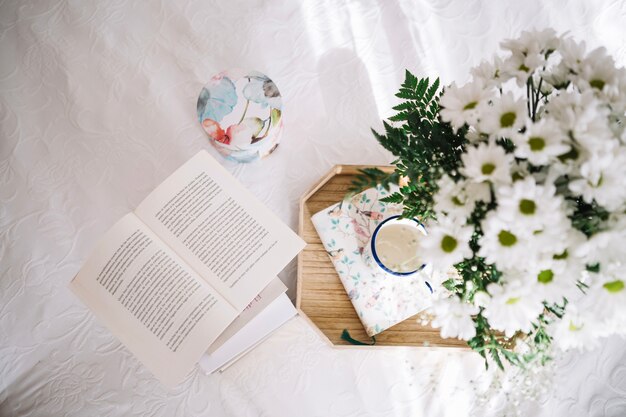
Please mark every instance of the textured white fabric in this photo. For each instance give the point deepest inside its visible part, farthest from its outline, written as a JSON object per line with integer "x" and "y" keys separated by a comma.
{"x": 97, "y": 106}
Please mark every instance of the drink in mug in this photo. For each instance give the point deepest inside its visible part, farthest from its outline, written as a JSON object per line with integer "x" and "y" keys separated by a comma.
{"x": 395, "y": 246}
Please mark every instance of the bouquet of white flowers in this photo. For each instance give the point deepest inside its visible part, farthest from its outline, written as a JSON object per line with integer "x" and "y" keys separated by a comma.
{"x": 517, "y": 177}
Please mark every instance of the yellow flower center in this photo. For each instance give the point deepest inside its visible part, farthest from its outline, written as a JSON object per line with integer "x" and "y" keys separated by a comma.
{"x": 507, "y": 238}
{"x": 573, "y": 328}
{"x": 536, "y": 143}
{"x": 599, "y": 84}
{"x": 448, "y": 243}
{"x": 470, "y": 106}
{"x": 614, "y": 286}
{"x": 527, "y": 207}
{"x": 507, "y": 119}
{"x": 545, "y": 277}
{"x": 487, "y": 168}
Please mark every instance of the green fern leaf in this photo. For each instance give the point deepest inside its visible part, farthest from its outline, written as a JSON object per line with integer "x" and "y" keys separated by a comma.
{"x": 393, "y": 198}
{"x": 410, "y": 80}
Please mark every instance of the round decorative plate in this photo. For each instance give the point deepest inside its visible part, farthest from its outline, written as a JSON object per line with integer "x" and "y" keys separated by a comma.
{"x": 241, "y": 112}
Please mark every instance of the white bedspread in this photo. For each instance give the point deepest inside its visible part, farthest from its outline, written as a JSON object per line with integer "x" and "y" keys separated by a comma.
{"x": 97, "y": 106}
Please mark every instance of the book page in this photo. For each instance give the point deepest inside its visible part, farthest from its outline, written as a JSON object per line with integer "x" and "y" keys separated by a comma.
{"x": 220, "y": 229}
{"x": 258, "y": 329}
{"x": 270, "y": 293}
{"x": 163, "y": 312}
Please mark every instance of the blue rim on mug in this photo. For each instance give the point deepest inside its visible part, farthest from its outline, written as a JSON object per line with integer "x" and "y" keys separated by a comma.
{"x": 375, "y": 255}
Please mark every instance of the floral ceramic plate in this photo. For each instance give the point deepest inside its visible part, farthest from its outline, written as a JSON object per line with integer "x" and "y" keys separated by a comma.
{"x": 241, "y": 112}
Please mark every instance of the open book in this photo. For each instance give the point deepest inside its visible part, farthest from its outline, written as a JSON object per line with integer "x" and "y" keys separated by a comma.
{"x": 168, "y": 278}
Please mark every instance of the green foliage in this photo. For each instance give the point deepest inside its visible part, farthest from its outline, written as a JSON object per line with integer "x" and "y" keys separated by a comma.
{"x": 588, "y": 218}
{"x": 420, "y": 102}
{"x": 393, "y": 198}
{"x": 424, "y": 145}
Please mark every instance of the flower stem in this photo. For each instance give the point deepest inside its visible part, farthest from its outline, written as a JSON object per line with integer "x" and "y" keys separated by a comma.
{"x": 269, "y": 124}
{"x": 537, "y": 97}
{"x": 528, "y": 96}
{"x": 245, "y": 110}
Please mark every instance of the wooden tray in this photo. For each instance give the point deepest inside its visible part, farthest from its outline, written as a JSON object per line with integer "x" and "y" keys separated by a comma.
{"x": 321, "y": 297}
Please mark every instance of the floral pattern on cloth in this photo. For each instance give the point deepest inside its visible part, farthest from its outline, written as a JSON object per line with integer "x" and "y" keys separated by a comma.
{"x": 380, "y": 299}
{"x": 241, "y": 112}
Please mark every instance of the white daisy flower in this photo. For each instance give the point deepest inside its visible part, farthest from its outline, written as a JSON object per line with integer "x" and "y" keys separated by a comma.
{"x": 447, "y": 243}
{"x": 554, "y": 287}
{"x": 597, "y": 71}
{"x": 553, "y": 239}
{"x": 572, "y": 55}
{"x": 459, "y": 105}
{"x": 454, "y": 318}
{"x": 541, "y": 143}
{"x": 531, "y": 205}
{"x": 535, "y": 41}
{"x": 556, "y": 77}
{"x": 487, "y": 162}
{"x": 591, "y": 128}
{"x": 584, "y": 118}
{"x": 504, "y": 118}
{"x": 604, "y": 247}
{"x": 555, "y": 279}
{"x": 505, "y": 244}
{"x": 488, "y": 72}
{"x": 457, "y": 200}
{"x": 521, "y": 66}
{"x": 563, "y": 256}
{"x": 575, "y": 330}
{"x": 528, "y": 53}
{"x": 607, "y": 295}
{"x": 602, "y": 181}
{"x": 512, "y": 307}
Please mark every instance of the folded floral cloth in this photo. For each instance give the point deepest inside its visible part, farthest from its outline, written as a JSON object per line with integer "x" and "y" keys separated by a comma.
{"x": 380, "y": 299}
